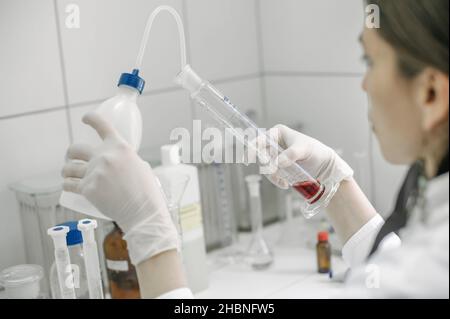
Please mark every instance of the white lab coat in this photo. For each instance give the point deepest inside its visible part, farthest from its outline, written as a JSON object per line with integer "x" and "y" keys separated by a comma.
{"x": 414, "y": 265}
{"x": 417, "y": 266}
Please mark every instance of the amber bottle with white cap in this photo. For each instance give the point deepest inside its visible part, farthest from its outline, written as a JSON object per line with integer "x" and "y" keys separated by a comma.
{"x": 323, "y": 248}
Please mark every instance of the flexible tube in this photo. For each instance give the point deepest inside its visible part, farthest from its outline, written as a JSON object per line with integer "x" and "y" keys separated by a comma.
{"x": 148, "y": 28}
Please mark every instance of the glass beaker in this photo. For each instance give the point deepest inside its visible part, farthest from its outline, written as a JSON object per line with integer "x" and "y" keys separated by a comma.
{"x": 22, "y": 282}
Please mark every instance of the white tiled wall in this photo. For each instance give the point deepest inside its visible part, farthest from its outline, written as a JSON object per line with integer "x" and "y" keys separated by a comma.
{"x": 223, "y": 37}
{"x": 107, "y": 43}
{"x": 314, "y": 36}
{"x": 29, "y": 57}
{"x": 331, "y": 109}
{"x": 39, "y": 113}
{"x": 312, "y": 74}
{"x": 291, "y": 61}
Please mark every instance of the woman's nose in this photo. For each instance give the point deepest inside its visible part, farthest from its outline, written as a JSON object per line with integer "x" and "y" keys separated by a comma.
{"x": 364, "y": 83}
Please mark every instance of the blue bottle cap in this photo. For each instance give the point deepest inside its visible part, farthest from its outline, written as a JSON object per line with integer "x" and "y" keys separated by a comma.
{"x": 132, "y": 80}
{"x": 74, "y": 236}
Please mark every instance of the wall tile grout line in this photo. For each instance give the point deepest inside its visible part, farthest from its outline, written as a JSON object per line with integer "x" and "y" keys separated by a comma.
{"x": 261, "y": 62}
{"x": 43, "y": 111}
{"x": 63, "y": 71}
{"x": 313, "y": 74}
{"x": 176, "y": 89}
{"x": 237, "y": 78}
{"x": 149, "y": 93}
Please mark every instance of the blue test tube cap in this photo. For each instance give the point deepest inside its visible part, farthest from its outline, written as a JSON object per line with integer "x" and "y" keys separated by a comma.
{"x": 132, "y": 80}
{"x": 74, "y": 236}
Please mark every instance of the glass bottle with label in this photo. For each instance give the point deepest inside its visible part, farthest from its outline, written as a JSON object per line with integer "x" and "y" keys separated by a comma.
{"x": 122, "y": 275}
{"x": 323, "y": 249}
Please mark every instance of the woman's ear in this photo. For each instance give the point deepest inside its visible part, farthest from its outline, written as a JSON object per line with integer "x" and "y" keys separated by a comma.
{"x": 432, "y": 93}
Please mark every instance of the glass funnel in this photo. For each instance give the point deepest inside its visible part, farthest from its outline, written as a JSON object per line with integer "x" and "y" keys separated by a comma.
{"x": 173, "y": 187}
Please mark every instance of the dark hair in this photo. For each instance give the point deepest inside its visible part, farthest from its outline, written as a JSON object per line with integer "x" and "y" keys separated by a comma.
{"x": 418, "y": 30}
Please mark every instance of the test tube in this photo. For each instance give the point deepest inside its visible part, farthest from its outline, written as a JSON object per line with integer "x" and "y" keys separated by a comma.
{"x": 62, "y": 261}
{"x": 91, "y": 260}
{"x": 316, "y": 195}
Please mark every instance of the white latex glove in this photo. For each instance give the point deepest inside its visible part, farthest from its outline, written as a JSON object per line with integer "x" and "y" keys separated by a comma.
{"x": 123, "y": 187}
{"x": 319, "y": 160}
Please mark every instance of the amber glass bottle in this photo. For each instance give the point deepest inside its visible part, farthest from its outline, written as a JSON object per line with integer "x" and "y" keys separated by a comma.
{"x": 323, "y": 248}
{"x": 122, "y": 275}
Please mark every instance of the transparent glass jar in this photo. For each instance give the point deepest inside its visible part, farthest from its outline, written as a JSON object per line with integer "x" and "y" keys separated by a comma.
{"x": 75, "y": 276}
{"x": 22, "y": 282}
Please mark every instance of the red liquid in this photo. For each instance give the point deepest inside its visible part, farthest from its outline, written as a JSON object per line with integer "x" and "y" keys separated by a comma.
{"x": 309, "y": 189}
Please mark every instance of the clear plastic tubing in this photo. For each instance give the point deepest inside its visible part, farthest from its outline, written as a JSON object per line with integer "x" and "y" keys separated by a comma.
{"x": 315, "y": 194}
{"x": 148, "y": 28}
{"x": 62, "y": 261}
{"x": 91, "y": 260}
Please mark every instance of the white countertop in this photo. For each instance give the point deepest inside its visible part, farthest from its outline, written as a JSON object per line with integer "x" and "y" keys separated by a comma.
{"x": 293, "y": 275}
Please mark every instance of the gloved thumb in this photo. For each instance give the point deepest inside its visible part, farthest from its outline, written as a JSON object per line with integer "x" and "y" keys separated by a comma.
{"x": 295, "y": 153}
{"x": 104, "y": 128}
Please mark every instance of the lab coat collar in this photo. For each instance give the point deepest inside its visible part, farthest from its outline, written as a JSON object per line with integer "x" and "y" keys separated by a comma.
{"x": 437, "y": 197}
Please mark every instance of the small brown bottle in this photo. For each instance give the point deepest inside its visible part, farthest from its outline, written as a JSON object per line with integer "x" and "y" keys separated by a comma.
{"x": 122, "y": 275}
{"x": 323, "y": 248}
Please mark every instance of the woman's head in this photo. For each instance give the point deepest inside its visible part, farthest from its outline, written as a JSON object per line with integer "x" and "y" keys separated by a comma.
{"x": 407, "y": 79}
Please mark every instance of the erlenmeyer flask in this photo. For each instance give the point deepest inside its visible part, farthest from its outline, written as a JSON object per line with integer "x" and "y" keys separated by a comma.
{"x": 258, "y": 254}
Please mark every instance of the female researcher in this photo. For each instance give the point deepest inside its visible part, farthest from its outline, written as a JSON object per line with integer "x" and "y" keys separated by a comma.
{"x": 408, "y": 86}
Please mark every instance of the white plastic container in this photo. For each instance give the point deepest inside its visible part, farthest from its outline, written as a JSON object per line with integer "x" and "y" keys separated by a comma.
{"x": 37, "y": 200}
{"x": 123, "y": 113}
{"x": 22, "y": 282}
{"x": 193, "y": 245}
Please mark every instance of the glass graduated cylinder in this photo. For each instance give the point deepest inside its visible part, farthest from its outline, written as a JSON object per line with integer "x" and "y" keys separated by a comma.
{"x": 315, "y": 194}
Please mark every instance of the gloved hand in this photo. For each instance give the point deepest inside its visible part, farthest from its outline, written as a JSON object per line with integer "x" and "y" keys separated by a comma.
{"x": 123, "y": 187}
{"x": 319, "y": 160}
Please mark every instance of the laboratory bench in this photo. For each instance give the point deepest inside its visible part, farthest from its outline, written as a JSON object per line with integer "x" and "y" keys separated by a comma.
{"x": 293, "y": 274}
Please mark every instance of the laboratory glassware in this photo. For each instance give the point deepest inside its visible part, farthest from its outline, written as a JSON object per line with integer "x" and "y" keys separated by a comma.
{"x": 174, "y": 182}
{"x": 173, "y": 188}
{"x": 122, "y": 276}
{"x": 258, "y": 254}
{"x": 68, "y": 278}
{"x": 91, "y": 260}
{"x": 224, "y": 214}
{"x": 38, "y": 202}
{"x": 315, "y": 194}
{"x": 323, "y": 249}
{"x": 22, "y": 282}
{"x": 62, "y": 264}
{"x": 217, "y": 205}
